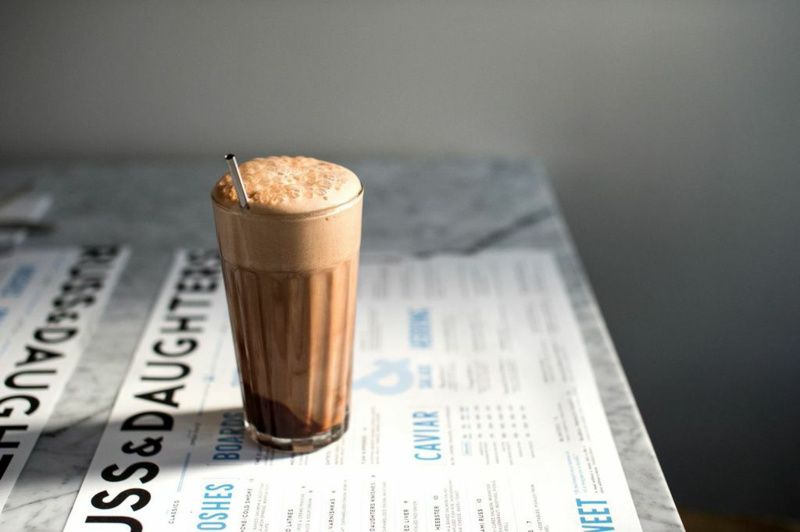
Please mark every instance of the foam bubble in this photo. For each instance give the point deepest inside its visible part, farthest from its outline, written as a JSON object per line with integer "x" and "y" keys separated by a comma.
{"x": 290, "y": 185}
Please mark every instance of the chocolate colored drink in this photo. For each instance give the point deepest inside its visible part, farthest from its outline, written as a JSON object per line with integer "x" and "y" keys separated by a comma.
{"x": 290, "y": 263}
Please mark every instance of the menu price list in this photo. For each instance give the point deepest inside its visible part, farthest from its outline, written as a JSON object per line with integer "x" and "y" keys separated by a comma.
{"x": 474, "y": 408}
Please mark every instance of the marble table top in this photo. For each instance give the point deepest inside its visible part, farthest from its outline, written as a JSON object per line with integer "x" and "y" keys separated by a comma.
{"x": 418, "y": 206}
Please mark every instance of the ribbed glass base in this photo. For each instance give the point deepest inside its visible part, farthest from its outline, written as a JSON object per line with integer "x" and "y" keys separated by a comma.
{"x": 298, "y": 445}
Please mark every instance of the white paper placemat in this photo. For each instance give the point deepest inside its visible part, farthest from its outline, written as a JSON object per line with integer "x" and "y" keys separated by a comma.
{"x": 474, "y": 408}
{"x": 50, "y": 303}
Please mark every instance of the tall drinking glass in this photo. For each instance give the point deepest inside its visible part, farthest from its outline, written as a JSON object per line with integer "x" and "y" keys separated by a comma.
{"x": 290, "y": 264}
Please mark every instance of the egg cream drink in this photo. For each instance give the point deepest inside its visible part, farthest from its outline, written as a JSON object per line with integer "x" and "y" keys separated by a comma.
{"x": 290, "y": 264}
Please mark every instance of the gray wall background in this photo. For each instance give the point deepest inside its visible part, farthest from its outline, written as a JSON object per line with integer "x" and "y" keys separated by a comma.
{"x": 672, "y": 131}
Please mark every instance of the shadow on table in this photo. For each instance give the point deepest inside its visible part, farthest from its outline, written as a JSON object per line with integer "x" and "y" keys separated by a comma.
{"x": 64, "y": 454}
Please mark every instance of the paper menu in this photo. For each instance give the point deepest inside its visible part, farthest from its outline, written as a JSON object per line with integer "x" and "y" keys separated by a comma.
{"x": 474, "y": 408}
{"x": 51, "y": 300}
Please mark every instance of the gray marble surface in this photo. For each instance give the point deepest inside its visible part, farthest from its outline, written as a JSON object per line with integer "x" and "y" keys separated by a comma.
{"x": 417, "y": 206}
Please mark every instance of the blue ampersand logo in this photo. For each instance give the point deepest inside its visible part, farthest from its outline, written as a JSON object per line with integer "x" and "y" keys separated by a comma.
{"x": 390, "y": 377}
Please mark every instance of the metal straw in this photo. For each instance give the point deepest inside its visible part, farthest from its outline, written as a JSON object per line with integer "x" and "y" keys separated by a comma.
{"x": 238, "y": 184}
